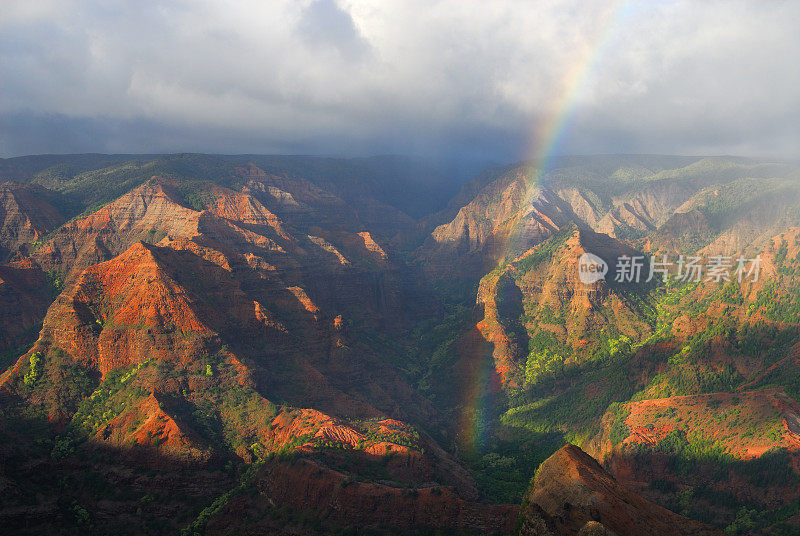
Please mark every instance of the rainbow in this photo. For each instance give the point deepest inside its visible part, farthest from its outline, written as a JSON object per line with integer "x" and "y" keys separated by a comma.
{"x": 476, "y": 413}
{"x": 550, "y": 132}
{"x": 547, "y": 140}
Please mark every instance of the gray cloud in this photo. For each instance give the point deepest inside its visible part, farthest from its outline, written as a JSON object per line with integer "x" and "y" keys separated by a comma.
{"x": 325, "y": 24}
{"x": 450, "y": 78}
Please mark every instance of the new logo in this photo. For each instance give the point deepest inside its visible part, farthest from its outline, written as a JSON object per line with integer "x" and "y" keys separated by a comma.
{"x": 591, "y": 268}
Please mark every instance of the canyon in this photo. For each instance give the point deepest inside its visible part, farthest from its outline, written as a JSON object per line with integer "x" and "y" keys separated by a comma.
{"x": 301, "y": 345}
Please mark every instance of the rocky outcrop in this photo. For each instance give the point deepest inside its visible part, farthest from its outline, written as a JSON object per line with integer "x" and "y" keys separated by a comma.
{"x": 507, "y": 217}
{"x": 732, "y": 434}
{"x": 624, "y": 221}
{"x": 126, "y": 311}
{"x": 525, "y": 294}
{"x": 746, "y": 424}
{"x": 578, "y": 497}
{"x": 25, "y": 217}
{"x": 684, "y": 230}
{"x": 148, "y": 213}
{"x": 150, "y": 434}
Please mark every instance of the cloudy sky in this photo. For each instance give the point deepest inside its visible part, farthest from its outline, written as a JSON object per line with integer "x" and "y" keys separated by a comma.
{"x": 500, "y": 80}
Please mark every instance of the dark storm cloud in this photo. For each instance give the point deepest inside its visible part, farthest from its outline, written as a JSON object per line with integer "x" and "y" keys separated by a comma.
{"x": 450, "y": 78}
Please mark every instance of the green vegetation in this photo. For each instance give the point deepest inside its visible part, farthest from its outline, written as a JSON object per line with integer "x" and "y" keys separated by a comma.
{"x": 196, "y": 194}
{"x": 239, "y": 409}
{"x": 780, "y": 302}
{"x": 568, "y": 391}
{"x": 688, "y": 450}
{"x": 618, "y": 430}
{"x": 563, "y": 405}
{"x": 114, "y": 395}
{"x": 34, "y": 370}
{"x": 708, "y": 469}
{"x": 504, "y": 467}
{"x": 547, "y": 357}
{"x": 82, "y": 516}
{"x": 435, "y": 340}
{"x": 407, "y": 436}
{"x": 87, "y": 187}
{"x": 154, "y": 236}
{"x": 55, "y": 282}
